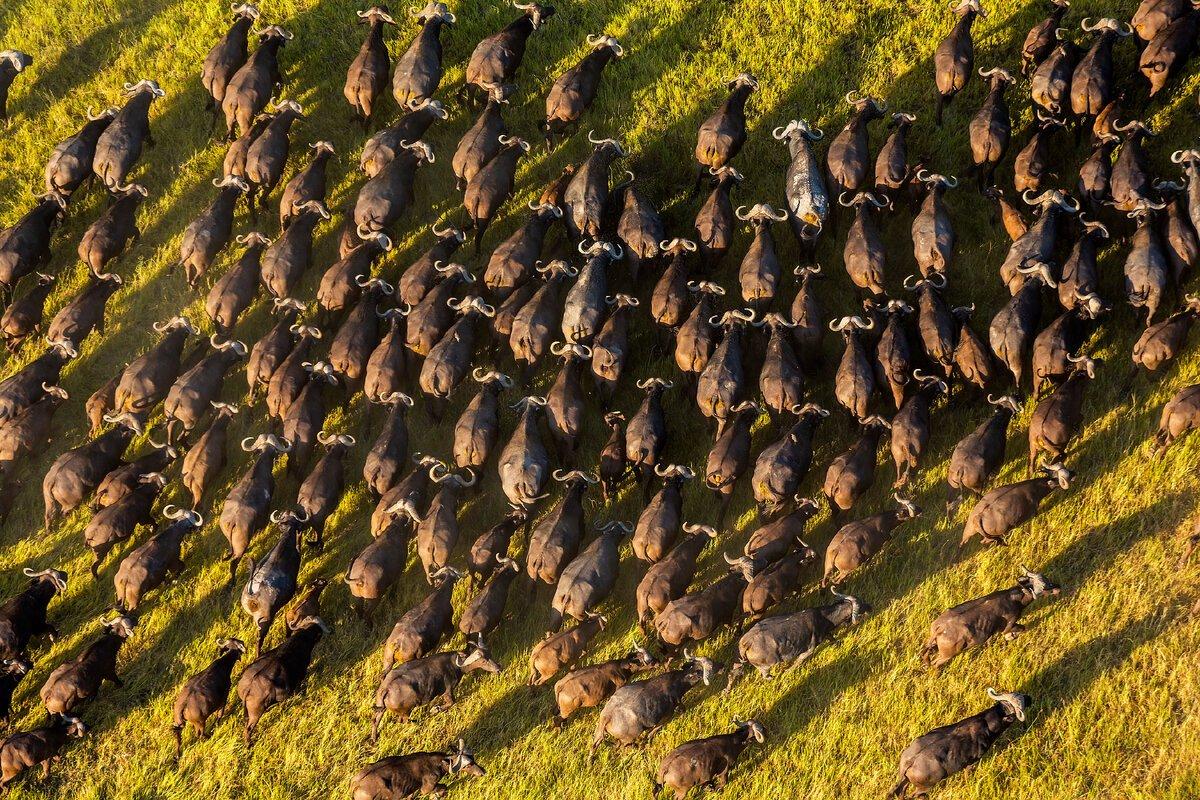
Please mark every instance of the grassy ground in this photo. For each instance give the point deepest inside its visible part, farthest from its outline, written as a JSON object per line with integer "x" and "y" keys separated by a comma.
{"x": 1110, "y": 665}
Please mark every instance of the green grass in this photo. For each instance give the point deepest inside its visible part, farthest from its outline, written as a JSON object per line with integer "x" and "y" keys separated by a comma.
{"x": 1110, "y": 665}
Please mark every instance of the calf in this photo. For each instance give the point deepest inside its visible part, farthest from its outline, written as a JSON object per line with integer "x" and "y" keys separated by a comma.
{"x": 952, "y": 748}
{"x": 309, "y": 604}
{"x": 708, "y": 761}
{"x": 974, "y": 622}
{"x": 641, "y": 708}
{"x": 486, "y": 610}
{"x": 280, "y": 673}
{"x": 23, "y": 615}
{"x": 206, "y": 693}
{"x": 75, "y": 682}
{"x": 425, "y": 680}
{"x": 397, "y": 777}
{"x": 588, "y": 687}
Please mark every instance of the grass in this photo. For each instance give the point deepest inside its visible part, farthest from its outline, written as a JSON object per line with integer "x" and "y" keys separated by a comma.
{"x": 1110, "y": 665}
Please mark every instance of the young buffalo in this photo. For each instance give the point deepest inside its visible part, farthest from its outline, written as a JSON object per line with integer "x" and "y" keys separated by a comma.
{"x": 206, "y": 693}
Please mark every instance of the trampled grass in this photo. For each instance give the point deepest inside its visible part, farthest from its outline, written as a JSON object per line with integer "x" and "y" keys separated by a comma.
{"x": 1110, "y": 665}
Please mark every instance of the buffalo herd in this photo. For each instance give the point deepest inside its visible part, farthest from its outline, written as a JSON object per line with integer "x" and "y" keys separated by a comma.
{"x": 594, "y": 280}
